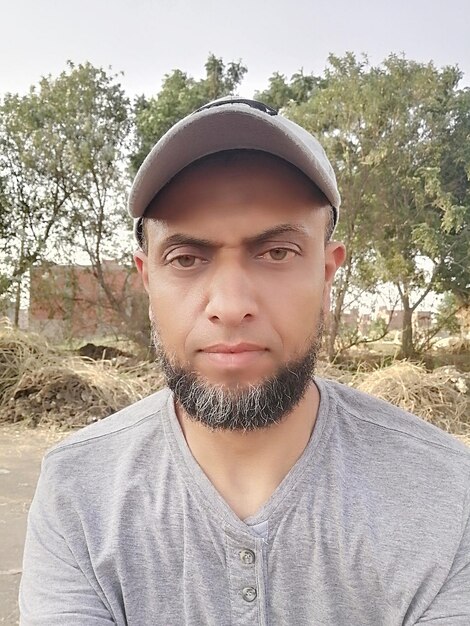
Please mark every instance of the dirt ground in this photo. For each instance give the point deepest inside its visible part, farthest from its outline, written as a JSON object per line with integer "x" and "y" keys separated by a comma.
{"x": 21, "y": 451}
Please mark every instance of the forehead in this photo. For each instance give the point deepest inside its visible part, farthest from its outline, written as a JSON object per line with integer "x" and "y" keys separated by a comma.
{"x": 233, "y": 192}
{"x": 257, "y": 169}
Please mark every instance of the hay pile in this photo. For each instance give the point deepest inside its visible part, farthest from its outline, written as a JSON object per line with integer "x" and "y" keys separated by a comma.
{"x": 38, "y": 385}
{"x": 334, "y": 372}
{"x": 18, "y": 352}
{"x": 441, "y": 397}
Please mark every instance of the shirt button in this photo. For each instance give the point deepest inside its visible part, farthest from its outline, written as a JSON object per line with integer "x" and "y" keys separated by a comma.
{"x": 247, "y": 557}
{"x": 249, "y": 594}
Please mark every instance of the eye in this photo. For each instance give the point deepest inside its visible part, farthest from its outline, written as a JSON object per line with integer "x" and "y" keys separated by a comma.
{"x": 278, "y": 254}
{"x": 184, "y": 261}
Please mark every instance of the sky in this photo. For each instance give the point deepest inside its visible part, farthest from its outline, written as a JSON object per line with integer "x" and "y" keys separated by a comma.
{"x": 145, "y": 39}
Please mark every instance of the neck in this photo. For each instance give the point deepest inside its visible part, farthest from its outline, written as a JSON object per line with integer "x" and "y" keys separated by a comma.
{"x": 246, "y": 467}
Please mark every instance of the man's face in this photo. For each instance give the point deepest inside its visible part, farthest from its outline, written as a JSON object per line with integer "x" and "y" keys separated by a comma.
{"x": 237, "y": 271}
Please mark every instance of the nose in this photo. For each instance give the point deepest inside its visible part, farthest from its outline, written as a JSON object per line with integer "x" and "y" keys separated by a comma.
{"x": 231, "y": 298}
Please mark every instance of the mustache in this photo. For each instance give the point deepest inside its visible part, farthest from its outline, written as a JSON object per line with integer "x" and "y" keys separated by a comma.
{"x": 245, "y": 408}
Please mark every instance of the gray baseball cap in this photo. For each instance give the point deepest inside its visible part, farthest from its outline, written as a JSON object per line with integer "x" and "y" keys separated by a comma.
{"x": 230, "y": 123}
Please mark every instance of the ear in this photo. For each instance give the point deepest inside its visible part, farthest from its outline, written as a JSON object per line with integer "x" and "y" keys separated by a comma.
{"x": 141, "y": 262}
{"x": 335, "y": 255}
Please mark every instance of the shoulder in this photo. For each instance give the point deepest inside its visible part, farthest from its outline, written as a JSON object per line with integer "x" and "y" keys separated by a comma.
{"x": 394, "y": 442}
{"x": 396, "y": 457}
{"x": 382, "y": 417}
{"x": 115, "y": 435}
{"x": 90, "y": 477}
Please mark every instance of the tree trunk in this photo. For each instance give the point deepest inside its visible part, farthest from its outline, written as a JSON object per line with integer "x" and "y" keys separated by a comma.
{"x": 407, "y": 350}
{"x": 342, "y": 287}
{"x": 333, "y": 326}
{"x": 16, "y": 320}
{"x": 464, "y": 322}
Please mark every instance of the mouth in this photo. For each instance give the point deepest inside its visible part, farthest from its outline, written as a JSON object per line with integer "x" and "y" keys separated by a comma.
{"x": 233, "y": 356}
{"x": 238, "y": 348}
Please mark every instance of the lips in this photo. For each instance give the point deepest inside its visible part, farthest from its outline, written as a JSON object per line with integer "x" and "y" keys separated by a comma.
{"x": 234, "y": 357}
{"x": 221, "y": 348}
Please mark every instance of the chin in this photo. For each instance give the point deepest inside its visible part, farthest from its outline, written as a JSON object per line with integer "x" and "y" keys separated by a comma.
{"x": 232, "y": 382}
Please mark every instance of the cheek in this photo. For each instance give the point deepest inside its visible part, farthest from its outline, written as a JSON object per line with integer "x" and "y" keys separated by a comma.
{"x": 306, "y": 312}
{"x": 307, "y": 285}
{"x": 174, "y": 312}
{"x": 296, "y": 306}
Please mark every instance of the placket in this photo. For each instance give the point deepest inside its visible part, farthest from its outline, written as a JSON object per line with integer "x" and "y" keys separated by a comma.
{"x": 247, "y": 574}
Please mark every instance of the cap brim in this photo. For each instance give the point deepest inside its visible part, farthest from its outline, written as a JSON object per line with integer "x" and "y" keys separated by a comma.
{"x": 230, "y": 127}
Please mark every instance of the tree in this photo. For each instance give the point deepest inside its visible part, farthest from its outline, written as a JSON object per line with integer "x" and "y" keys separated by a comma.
{"x": 180, "y": 95}
{"x": 385, "y": 128}
{"x": 282, "y": 92}
{"x": 63, "y": 151}
{"x": 35, "y": 190}
{"x": 416, "y": 211}
{"x": 454, "y": 277}
{"x": 340, "y": 114}
{"x": 97, "y": 222}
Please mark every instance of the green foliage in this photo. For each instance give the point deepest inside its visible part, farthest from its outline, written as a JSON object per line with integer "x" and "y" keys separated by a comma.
{"x": 387, "y": 129}
{"x": 378, "y": 329}
{"x": 62, "y": 162}
{"x": 455, "y": 171}
{"x": 421, "y": 224}
{"x": 446, "y": 317}
{"x": 398, "y": 135}
{"x": 282, "y": 92}
{"x": 180, "y": 95}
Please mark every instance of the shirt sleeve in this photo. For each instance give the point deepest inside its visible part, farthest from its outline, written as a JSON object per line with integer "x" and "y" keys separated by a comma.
{"x": 451, "y": 606}
{"x": 54, "y": 591}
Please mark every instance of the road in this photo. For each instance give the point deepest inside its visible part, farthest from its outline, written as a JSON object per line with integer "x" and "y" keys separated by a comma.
{"x": 21, "y": 451}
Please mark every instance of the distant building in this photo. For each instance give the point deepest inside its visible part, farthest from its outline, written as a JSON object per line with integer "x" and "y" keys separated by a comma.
{"x": 351, "y": 317}
{"x": 421, "y": 320}
{"x": 69, "y": 301}
{"x": 365, "y": 321}
{"x": 393, "y": 317}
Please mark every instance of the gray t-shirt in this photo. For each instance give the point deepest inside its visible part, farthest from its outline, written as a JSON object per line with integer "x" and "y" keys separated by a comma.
{"x": 369, "y": 528}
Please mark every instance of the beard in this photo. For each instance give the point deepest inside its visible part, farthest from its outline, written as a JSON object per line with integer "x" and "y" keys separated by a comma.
{"x": 243, "y": 408}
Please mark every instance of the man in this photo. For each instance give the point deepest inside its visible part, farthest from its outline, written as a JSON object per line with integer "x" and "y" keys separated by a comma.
{"x": 247, "y": 492}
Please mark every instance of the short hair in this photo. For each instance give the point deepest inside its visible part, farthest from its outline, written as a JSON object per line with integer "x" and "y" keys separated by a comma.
{"x": 231, "y": 157}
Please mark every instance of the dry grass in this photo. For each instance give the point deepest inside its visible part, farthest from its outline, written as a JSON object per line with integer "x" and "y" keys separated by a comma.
{"x": 18, "y": 352}
{"x": 39, "y": 385}
{"x": 441, "y": 397}
{"x": 334, "y": 372}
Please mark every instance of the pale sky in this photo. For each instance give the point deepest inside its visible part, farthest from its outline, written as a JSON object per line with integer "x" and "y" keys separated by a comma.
{"x": 147, "y": 38}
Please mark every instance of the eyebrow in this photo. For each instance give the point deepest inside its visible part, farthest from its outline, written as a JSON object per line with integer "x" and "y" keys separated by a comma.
{"x": 181, "y": 239}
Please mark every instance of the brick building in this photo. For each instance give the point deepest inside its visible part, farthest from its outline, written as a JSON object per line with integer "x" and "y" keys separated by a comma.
{"x": 68, "y": 301}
